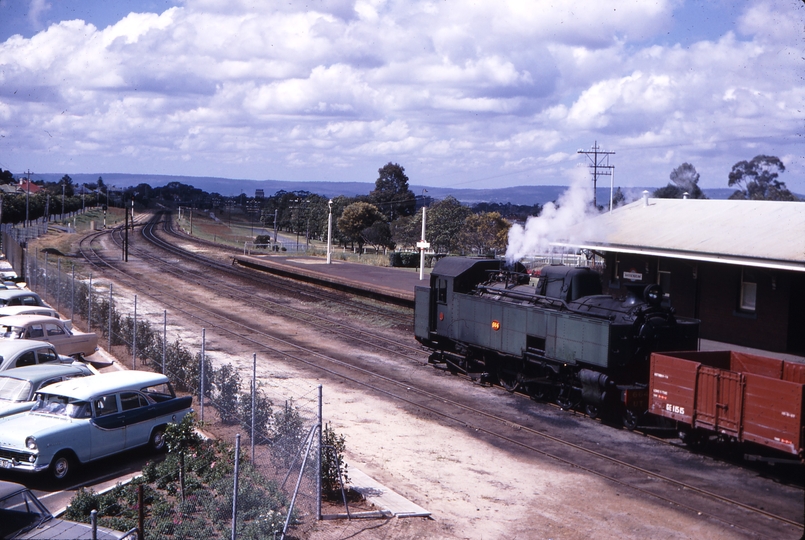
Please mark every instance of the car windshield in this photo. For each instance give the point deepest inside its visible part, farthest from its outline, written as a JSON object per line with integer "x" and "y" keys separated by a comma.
{"x": 61, "y": 406}
{"x": 12, "y": 332}
{"x": 12, "y": 389}
{"x": 19, "y": 513}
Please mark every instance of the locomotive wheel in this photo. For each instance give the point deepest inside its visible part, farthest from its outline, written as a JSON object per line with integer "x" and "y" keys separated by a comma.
{"x": 537, "y": 392}
{"x": 630, "y": 419}
{"x": 508, "y": 382}
{"x": 564, "y": 398}
{"x": 591, "y": 410}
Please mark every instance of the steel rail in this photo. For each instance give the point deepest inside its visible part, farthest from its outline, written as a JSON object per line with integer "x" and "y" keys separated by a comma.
{"x": 316, "y": 293}
{"x": 408, "y": 387}
{"x": 149, "y": 234}
{"x": 327, "y": 324}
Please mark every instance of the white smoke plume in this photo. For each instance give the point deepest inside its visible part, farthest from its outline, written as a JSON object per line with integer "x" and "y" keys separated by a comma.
{"x": 574, "y": 207}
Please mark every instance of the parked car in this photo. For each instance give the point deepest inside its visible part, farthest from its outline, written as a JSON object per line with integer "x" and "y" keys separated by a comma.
{"x": 23, "y": 516}
{"x": 17, "y": 353}
{"x": 46, "y": 311}
{"x": 20, "y": 297}
{"x": 19, "y": 386}
{"x": 67, "y": 341}
{"x": 81, "y": 420}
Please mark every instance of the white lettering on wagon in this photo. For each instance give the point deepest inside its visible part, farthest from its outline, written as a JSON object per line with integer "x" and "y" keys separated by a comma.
{"x": 676, "y": 409}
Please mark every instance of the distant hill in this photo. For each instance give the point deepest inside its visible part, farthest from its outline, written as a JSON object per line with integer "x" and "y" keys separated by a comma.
{"x": 230, "y": 187}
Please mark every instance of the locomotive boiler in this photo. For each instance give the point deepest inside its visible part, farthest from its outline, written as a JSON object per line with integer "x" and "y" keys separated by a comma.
{"x": 557, "y": 337}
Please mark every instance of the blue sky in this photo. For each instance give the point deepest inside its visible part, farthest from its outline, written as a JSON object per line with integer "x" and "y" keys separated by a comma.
{"x": 461, "y": 93}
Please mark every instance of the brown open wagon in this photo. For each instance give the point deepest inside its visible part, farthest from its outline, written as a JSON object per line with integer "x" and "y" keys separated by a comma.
{"x": 738, "y": 396}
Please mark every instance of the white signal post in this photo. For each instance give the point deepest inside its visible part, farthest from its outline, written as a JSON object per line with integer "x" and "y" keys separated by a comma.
{"x": 329, "y": 231}
{"x": 423, "y": 245}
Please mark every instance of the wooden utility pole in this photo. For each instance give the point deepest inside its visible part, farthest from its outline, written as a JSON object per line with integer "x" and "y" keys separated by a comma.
{"x": 597, "y": 162}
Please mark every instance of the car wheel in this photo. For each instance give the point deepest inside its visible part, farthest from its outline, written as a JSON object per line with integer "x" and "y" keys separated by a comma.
{"x": 158, "y": 439}
{"x": 62, "y": 466}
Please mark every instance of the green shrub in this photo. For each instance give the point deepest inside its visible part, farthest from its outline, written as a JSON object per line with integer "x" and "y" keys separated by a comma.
{"x": 227, "y": 382}
{"x": 263, "y": 416}
{"x": 289, "y": 434}
{"x": 332, "y": 457}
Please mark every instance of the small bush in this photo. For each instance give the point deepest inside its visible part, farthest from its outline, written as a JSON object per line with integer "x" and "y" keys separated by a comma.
{"x": 227, "y": 382}
{"x": 263, "y": 416}
{"x": 333, "y": 468}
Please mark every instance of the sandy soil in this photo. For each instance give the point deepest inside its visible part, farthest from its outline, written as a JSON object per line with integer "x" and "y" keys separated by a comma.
{"x": 474, "y": 489}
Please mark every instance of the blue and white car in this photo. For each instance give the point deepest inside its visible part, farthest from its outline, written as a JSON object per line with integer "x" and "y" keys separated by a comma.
{"x": 81, "y": 420}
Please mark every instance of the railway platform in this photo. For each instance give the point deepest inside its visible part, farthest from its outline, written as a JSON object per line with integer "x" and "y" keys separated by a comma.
{"x": 394, "y": 285}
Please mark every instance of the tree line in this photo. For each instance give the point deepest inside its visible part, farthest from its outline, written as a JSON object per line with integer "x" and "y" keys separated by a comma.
{"x": 388, "y": 217}
{"x": 755, "y": 180}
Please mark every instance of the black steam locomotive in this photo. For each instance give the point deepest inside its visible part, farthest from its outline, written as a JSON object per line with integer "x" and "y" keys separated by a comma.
{"x": 555, "y": 337}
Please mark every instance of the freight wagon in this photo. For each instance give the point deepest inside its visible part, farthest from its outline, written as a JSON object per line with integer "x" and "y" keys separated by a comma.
{"x": 731, "y": 396}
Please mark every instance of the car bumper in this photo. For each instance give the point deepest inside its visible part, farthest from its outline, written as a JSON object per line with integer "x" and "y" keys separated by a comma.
{"x": 21, "y": 463}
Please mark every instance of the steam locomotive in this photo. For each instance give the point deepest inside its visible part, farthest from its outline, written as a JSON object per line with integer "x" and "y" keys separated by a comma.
{"x": 556, "y": 337}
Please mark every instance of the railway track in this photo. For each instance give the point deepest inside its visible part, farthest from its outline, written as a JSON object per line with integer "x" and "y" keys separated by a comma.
{"x": 256, "y": 301}
{"x": 155, "y": 235}
{"x": 639, "y": 479}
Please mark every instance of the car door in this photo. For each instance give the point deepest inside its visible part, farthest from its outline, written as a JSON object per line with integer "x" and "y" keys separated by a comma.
{"x": 138, "y": 418}
{"x": 108, "y": 433}
{"x": 58, "y": 337}
{"x": 35, "y": 331}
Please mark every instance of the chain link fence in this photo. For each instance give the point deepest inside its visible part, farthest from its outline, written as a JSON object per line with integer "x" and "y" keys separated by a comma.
{"x": 277, "y": 416}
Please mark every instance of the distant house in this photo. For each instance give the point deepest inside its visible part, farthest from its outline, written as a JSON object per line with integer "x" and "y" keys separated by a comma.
{"x": 739, "y": 266}
{"x": 259, "y": 194}
{"x": 27, "y": 186}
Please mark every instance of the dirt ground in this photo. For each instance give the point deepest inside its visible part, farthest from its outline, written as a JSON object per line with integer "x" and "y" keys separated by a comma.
{"x": 474, "y": 489}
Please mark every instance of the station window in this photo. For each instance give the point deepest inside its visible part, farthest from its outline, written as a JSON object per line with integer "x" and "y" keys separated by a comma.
{"x": 748, "y": 291}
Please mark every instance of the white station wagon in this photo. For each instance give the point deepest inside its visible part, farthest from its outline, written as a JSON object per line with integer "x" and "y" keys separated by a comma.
{"x": 81, "y": 420}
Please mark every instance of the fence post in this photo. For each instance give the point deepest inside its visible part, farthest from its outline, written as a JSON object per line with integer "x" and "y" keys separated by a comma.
{"x": 134, "y": 337}
{"x": 318, "y": 461}
{"x": 72, "y": 297}
{"x": 164, "y": 338}
{"x": 201, "y": 382}
{"x": 109, "y": 321}
{"x": 93, "y": 522}
{"x": 89, "y": 306}
{"x": 140, "y": 513}
{"x": 235, "y": 492}
{"x": 254, "y": 398}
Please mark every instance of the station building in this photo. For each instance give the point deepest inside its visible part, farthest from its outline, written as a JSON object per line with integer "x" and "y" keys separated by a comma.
{"x": 738, "y": 266}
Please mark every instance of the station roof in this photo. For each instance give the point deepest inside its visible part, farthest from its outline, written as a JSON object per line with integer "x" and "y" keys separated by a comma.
{"x": 768, "y": 234}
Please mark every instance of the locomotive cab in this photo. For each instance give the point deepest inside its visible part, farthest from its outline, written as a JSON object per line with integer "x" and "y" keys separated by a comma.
{"x": 433, "y": 309}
